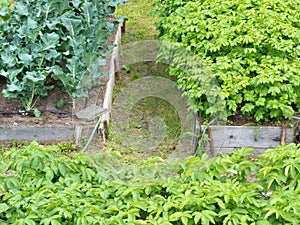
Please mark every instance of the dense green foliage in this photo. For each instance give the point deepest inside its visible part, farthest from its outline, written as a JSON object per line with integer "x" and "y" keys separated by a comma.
{"x": 48, "y": 40}
{"x": 4, "y": 3}
{"x": 41, "y": 185}
{"x": 252, "y": 47}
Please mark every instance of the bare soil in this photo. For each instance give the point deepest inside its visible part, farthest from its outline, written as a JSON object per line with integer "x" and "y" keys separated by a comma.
{"x": 12, "y": 112}
{"x": 12, "y": 107}
{"x": 239, "y": 120}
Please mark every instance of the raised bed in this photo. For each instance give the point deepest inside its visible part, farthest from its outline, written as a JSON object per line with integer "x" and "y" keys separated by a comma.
{"x": 84, "y": 119}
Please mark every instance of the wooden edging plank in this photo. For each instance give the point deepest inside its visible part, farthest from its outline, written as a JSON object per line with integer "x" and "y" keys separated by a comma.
{"x": 113, "y": 68}
{"x": 224, "y": 139}
{"x": 43, "y": 134}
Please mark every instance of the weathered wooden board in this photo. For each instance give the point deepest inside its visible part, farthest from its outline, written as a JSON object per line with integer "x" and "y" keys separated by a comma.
{"x": 43, "y": 134}
{"x": 223, "y": 139}
{"x": 107, "y": 102}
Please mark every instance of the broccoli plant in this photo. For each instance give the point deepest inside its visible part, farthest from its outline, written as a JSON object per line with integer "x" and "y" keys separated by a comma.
{"x": 48, "y": 40}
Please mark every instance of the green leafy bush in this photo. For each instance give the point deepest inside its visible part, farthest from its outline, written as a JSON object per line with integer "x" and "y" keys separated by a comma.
{"x": 252, "y": 47}
{"x": 41, "y": 185}
{"x": 48, "y": 40}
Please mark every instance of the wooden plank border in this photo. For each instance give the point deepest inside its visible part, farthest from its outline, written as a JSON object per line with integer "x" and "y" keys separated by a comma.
{"x": 224, "y": 139}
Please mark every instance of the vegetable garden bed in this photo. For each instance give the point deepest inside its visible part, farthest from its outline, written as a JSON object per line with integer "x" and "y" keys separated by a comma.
{"x": 58, "y": 127}
{"x": 60, "y": 117}
{"x": 251, "y": 50}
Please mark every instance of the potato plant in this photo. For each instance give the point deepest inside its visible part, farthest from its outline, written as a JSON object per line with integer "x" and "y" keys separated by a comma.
{"x": 251, "y": 47}
{"x": 50, "y": 40}
{"x": 43, "y": 185}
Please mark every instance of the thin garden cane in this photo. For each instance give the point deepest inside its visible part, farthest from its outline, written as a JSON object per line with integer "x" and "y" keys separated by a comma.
{"x": 202, "y": 138}
{"x": 94, "y": 131}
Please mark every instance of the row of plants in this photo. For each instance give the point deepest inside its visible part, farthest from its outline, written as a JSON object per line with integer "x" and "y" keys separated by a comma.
{"x": 251, "y": 47}
{"x": 45, "y": 185}
{"x": 49, "y": 42}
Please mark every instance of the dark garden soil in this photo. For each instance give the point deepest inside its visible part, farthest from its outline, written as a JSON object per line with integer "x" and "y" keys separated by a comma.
{"x": 239, "y": 120}
{"x": 12, "y": 112}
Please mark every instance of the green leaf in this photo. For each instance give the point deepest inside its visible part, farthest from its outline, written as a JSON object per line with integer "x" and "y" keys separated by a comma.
{"x": 209, "y": 214}
{"x": 13, "y": 183}
{"x": 270, "y": 212}
{"x": 55, "y": 222}
{"x": 34, "y": 77}
{"x": 61, "y": 102}
{"x": 29, "y": 221}
{"x": 3, "y": 207}
{"x": 62, "y": 169}
{"x": 31, "y": 24}
{"x": 175, "y": 216}
{"x": 184, "y": 220}
{"x": 50, "y": 40}
{"x": 25, "y": 58}
{"x": 11, "y": 88}
{"x": 88, "y": 12}
{"x": 197, "y": 217}
{"x": 74, "y": 26}
{"x": 21, "y": 8}
{"x": 45, "y": 221}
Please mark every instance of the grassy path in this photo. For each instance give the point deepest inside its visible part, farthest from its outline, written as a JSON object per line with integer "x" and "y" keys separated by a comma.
{"x": 140, "y": 25}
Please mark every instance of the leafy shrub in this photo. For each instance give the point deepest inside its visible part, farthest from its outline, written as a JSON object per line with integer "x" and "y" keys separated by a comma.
{"x": 41, "y": 185}
{"x": 48, "y": 40}
{"x": 252, "y": 47}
